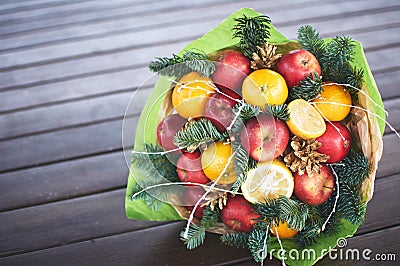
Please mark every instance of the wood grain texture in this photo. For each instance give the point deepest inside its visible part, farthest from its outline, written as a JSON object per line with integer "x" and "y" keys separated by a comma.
{"x": 68, "y": 69}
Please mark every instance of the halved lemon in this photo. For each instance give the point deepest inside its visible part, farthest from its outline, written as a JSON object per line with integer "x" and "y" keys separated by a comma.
{"x": 269, "y": 180}
{"x": 305, "y": 121}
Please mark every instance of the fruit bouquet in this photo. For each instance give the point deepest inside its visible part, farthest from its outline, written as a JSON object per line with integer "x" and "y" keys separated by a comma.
{"x": 273, "y": 144}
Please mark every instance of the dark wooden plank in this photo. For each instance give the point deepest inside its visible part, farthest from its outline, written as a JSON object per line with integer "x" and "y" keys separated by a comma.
{"x": 60, "y": 223}
{"x": 57, "y": 72}
{"x": 9, "y": 7}
{"x": 200, "y": 26}
{"x": 92, "y": 85}
{"x": 387, "y": 83}
{"x": 102, "y": 137}
{"x": 389, "y": 162}
{"x": 164, "y": 240}
{"x": 63, "y": 145}
{"x": 71, "y": 114}
{"x": 17, "y": 124}
{"x": 383, "y": 210}
{"x": 133, "y": 23}
{"x": 51, "y": 9}
{"x": 380, "y": 243}
{"x": 80, "y": 88}
{"x": 63, "y": 180}
{"x": 156, "y": 246}
{"x": 103, "y": 14}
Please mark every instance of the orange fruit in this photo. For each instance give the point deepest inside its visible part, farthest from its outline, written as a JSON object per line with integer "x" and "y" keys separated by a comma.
{"x": 305, "y": 121}
{"x": 284, "y": 231}
{"x": 264, "y": 87}
{"x": 217, "y": 163}
{"x": 191, "y": 94}
{"x": 334, "y": 102}
{"x": 269, "y": 180}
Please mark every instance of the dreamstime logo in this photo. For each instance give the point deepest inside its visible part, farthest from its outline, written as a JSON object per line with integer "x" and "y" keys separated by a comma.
{"x": 339, "y": 253}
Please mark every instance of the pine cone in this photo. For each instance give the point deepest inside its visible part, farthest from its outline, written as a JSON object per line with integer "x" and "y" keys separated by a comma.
{"x": 268, "y": 57}
{"x": 216, "y": 198}
{"x": 304, "y": 156}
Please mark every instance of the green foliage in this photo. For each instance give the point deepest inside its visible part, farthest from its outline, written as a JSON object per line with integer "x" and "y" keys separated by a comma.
{"x": 180, "y": 65}
{"x": 334, "y": 58}
{"x": 310, "y": 40}
{"x": 308, "y": 89}
{"x": 281, "y": 111}
{"x": 238, "y": 240}
{"x": 258, "y": 240}
{"x": 155, "y": 162}
{"x": 353, "y": 169}
{"x": 198, "y": 132}
{"x": 210, "y": 217}
{"x": 252, "y": 32}
{"x": 241, "y": 113}
{"x": 157, "y": 168}
{"x": 308, "y": 235}
{"x": 294, "y": 212}
{"x": 196, "y": 236}
{"x": 350, "y": 204}
{"x": 242, "y": 164}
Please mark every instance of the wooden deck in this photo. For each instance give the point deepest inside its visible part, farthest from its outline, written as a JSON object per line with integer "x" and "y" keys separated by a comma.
{"x": 67, "y": 72}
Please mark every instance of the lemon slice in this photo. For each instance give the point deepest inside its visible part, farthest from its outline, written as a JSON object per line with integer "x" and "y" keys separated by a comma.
{"x": 305, "y": 121}
{"x": 268, "y": 181}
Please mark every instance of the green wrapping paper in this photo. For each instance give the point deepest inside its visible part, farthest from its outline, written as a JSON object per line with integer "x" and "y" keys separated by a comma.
{"x": 219, "y": 38}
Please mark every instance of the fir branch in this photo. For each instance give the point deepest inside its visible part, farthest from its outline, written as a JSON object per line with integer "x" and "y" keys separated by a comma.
{"x": 350, "y": 204}
{"x": 152, "y": 202}
{"x": 294, "y": 212}
{"x": 196, "y": 236}
{"x": 255, "y": 243}
{"x": 241, "y": 113}
{"x": 180, "y": 65}
{"x": 310, "y": 40}
{"x": 198, "y": 132}
{"x": 281, "y": 111}
{"x": 268, "y": 211}
{"x": 308, "y": 235}
{"x": 238, "y": 240}
{"x": 198, "y": 61}
{"x": 241, "y": 163}
{"x": 252, "y": 32}
{"x": 338, "y": 56}
{"x": 210, "y": 217}
{"x": 157, "y": 164}
{"x": 308, "y": 89}
{"x": 353, "y": 169}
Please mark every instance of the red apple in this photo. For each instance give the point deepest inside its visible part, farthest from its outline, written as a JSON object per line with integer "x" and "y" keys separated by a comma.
{"x": 238, "y": 214}
{"x": 336, "y": 142}
{"x": 219, "y": 108}
{"x": 167, "y": 129}
{"x": 189, "y": 168}
{"x": 316, "y": 189}
{"x": 231, "y": 69}
{"x": 190, "y": 197}
{"x": 264, "y": 137}
{"x": 297, "y": 65}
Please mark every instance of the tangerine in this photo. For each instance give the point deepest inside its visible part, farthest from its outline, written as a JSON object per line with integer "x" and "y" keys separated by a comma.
{"x": 191, "y": 93}
{"x": 334, "y": 102}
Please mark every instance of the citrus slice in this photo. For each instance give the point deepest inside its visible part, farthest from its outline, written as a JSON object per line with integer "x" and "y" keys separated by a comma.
{"x": 269, "y": 180}
{"x": 305, "y": 121}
